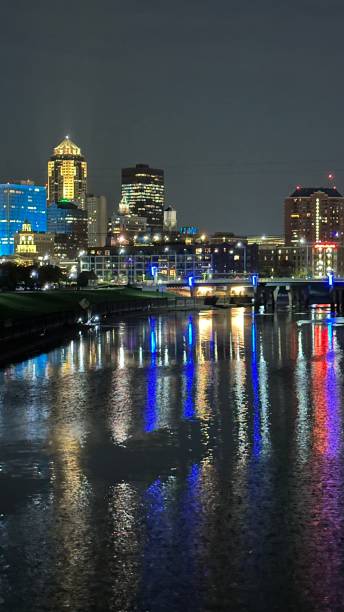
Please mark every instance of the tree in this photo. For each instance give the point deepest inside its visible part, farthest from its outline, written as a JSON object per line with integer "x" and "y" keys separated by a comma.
{"x": 86, "y": 276}
{"x": 8, "y": 276}
{"x": 49, "y": 274}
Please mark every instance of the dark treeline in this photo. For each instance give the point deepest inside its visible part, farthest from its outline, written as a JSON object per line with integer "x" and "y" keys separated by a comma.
{"x": 13, "y": 276}
{"x": 29, "y": 278}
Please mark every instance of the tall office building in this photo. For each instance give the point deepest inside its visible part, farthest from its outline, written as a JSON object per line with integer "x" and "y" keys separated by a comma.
{"x": 67, "y": 174}
{"x": 314, "y": 214}
{"x": 20, "y": 203}
{"x": 97, "y": 227}
{"x": 68, "y": 223}
{"x": 143, "y": 190}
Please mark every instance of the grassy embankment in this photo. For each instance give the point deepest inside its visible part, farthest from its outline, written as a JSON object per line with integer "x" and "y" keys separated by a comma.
{"x": 20, "y": 305}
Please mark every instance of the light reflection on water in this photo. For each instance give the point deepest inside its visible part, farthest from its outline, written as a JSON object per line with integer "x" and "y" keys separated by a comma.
{"x": 247, "y": 509}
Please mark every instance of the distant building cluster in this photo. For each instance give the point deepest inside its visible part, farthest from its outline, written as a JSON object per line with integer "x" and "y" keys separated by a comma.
{"x": 64, "y": 224}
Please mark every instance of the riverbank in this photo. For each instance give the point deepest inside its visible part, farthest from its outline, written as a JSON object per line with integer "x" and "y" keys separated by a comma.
{"x": 30, "y": 322}
{"x": 33, "y": 322}
{"x": 19, "y": 305}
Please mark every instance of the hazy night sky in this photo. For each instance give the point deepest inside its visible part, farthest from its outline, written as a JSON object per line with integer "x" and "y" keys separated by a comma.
{"x": 238, "y": 100}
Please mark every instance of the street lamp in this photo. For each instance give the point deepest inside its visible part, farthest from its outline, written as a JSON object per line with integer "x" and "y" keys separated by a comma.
{"x": 240, "y": 245}
{"x": 303, "y": 241}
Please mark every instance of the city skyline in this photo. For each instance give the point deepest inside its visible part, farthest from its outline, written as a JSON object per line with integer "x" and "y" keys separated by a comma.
{"x": 114, "y": 202}
{"x": 235, "y": 120}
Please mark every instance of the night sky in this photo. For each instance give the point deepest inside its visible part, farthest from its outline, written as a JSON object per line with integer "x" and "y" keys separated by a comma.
{"x": 238, "y": 101}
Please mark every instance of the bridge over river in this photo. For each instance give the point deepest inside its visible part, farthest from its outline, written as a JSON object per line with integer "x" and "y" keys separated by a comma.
{"x": 267, "y": 292}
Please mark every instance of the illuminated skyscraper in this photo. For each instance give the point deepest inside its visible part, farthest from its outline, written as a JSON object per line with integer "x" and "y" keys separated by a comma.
{"x": 143, "y": 190}
{"x": 67, "y": 174}
{"x": 19, "y": 203}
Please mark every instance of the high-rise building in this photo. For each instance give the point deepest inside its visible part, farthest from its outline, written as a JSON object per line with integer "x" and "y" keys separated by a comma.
{"x": 20, "y": 203}
{"x": 68, "y": 223}
{"x": 314, "y": 214}
{"x": 143, "y": 190}
{"x": 97, "y": 222}
{"x": 301, "y": 260}
{"x": 67, "y": 174}
{"x": 170, "y": 219}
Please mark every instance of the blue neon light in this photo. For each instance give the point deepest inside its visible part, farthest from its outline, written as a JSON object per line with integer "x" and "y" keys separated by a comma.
{"x": 255, "y": 387}
{"x": 191, "y": 281}
{"x": 151, "y": 415}
{"x": 254, "y": 280}
{"x": 330, "y": 277}
{"x": 190, "y": 333}
{"x": 154, "y": 270}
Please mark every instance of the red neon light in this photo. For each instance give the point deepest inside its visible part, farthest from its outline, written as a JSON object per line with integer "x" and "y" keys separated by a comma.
{"x": 325, "y": 245}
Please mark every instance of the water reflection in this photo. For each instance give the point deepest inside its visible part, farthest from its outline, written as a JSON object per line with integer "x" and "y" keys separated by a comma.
{"x": 252, "y": 409}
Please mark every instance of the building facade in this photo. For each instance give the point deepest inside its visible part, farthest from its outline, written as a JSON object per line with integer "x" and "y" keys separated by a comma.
{"x": 127, "y": 227}
{"x": 314, "y": 214}
{"x": 231, "y": 256}
{"x": 20, "y": 203}
{"x": 67, "y": 174}
{"x": 301, "y": 260}
{"x": 170, "y": 219}
{"x": 119, "y": 268}
{"x": 265, "y": 239}
{"x": 97, "y": 220}
{"x": 33, "y": 246}
{"x": 68, "y": 223}
{"x": 173, "y": 260}
{"x": 143, "y": 190}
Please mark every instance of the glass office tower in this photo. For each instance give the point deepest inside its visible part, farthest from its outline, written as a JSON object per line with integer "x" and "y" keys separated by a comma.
{"x": 20, "y": 203}
{"x": 143, "y": 189}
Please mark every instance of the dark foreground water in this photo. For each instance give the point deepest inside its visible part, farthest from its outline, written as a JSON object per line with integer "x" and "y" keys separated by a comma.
{"x": 190, "y": 462}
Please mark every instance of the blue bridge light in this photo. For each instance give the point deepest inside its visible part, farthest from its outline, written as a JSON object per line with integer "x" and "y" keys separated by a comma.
{"x": 330, "y": 277}
{"x": 254, "y": 280}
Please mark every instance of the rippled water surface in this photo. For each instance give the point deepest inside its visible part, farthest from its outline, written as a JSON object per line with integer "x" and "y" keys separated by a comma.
{"x": 190, "y": 462}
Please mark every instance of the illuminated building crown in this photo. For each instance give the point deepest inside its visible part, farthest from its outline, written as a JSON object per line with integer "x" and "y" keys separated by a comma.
{"x": 67, "y": 147}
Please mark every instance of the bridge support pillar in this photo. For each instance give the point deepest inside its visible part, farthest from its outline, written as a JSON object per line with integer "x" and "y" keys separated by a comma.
{"x": 306, "y": 292}
{"x": 258, "y": 298}
{"x": 274, "y": 297}
{"x": 290, "y": 296}
{"x": 297, "y": 297}
{"x": 340, "y": 302}
{"x": 340, "y": 299}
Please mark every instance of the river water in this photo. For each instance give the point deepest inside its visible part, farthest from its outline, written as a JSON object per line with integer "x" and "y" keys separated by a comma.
{"x": 183, "y": 462}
